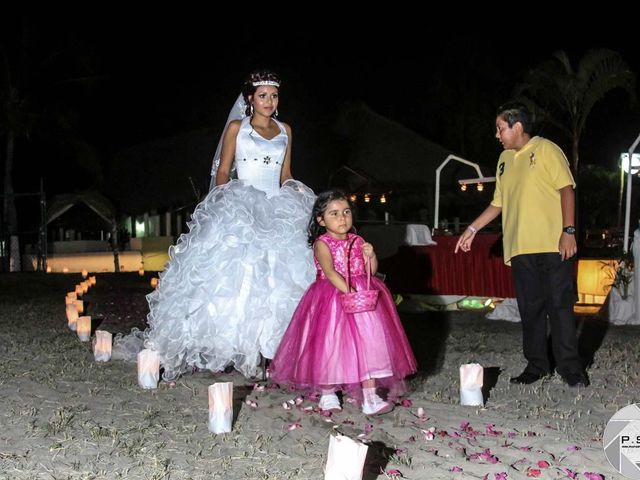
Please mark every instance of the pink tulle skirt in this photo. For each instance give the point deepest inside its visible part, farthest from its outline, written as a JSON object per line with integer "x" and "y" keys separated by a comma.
{"x": 326, "y": 347}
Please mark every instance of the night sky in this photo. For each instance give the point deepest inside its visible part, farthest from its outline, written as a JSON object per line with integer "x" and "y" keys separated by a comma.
{"x": 156, "y": 75}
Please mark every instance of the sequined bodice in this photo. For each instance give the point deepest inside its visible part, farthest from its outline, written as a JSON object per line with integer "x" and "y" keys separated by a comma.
{"x": 338, "y": 249}
{"x": 259, "y": 160}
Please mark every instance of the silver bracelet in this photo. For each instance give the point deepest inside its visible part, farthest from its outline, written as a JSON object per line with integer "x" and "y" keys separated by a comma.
{"x": 472, "y": 228}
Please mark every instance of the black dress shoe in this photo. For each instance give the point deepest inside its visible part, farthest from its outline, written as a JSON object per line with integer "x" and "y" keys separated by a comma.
{"x": 576, "y": 379}
{"x": 526, "y": 378}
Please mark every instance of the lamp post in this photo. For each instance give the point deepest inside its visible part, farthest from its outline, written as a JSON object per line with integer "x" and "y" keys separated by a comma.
{"x": 481, "y": 179}
{"x": 624, "y": 168}
{"x": 627, "y": 215}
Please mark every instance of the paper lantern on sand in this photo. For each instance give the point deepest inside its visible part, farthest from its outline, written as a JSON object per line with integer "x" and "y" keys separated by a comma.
{"x": 72, "y": 317}
{"x": 471, "y": 384}
{"x": 102, "y": 346}
{"x": 345, "y": 459}
{"x": 84, "y": 328}
{"x": 220, "y": 407}
{"x": 148, "y": 369}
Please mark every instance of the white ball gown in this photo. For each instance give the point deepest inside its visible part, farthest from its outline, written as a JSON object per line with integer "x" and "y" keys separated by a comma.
{"x": 233, "y": 282}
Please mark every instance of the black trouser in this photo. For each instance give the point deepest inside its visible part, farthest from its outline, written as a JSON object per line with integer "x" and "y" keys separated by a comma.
{"x": 546, "y": 288}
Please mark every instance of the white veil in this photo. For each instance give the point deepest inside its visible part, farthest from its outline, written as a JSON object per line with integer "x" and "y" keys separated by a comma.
{"x": 238, "y": 112}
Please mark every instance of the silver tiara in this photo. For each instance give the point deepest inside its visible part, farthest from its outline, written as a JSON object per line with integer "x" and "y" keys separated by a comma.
{"x": 272, "y": 83}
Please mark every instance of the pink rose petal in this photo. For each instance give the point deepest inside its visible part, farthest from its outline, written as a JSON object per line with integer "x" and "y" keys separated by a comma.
{"x": 294, "y": 426}
{"x": 394, "y": 473}
{"x": 543, "y": 464}
{"x": 533, "y": 472}
{"x": 593, "y": 476}
{"x": 456, "y": 469}
{"x": 428, "y": 433}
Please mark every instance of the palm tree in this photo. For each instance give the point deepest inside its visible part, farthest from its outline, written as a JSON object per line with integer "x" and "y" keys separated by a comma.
{"x": 565, "y": 96}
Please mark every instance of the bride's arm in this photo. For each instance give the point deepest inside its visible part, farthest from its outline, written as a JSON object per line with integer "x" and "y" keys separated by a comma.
{"x": 228, "y": 152}
{"x": 286, "y": 166}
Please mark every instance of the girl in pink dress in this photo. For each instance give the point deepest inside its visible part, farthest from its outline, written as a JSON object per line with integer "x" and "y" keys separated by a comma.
{"x": 326, "y": 349}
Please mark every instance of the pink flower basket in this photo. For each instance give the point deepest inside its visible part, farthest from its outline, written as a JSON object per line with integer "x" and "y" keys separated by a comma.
{"x": 363, "y": 300}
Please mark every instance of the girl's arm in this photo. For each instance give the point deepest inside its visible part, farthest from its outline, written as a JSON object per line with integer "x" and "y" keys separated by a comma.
{"x": 323, "y": 254}
{"x": 228, "y": 152}
{"x": 286, "y": 166}
{"x": 367, "y": 251}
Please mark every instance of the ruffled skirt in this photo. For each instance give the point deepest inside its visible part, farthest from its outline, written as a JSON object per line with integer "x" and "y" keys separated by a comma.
{"x": 324, "y": 346}
{"x": 233, "y": 282}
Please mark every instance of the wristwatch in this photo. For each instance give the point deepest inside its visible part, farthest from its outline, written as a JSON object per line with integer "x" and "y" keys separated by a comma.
{"x": 570, "y": 229}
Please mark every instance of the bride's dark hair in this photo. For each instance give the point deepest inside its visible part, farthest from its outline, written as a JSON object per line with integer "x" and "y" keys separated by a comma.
{"x": 323, "y": 199}
{"x": 248, "y": 87}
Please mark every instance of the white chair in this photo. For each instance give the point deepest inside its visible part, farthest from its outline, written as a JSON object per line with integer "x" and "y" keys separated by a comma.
{"x": 418, "y": 234}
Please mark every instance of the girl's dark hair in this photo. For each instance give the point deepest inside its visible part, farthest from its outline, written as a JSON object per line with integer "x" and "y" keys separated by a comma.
{"x": 249, "y": 89}
{"x": 322, "y": 201}
{"x": 513, "y": 112}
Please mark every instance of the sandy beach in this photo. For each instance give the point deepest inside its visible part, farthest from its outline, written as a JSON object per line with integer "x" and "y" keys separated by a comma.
{"x": 65, "y": 416}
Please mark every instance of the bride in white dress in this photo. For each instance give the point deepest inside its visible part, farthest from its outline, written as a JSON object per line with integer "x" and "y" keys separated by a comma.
{"x": 233, "y": 282}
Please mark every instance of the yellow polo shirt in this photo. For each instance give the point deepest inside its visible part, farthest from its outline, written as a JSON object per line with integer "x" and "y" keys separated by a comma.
{"x": 527, "y": 189}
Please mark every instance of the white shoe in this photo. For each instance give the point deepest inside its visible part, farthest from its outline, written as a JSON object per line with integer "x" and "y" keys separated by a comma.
{"x": 330, "y": 403}
{"x": 374, "y": 405}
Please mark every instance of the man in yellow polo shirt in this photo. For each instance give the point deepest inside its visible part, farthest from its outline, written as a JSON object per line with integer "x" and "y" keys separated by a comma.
{"x": 534, "y": 193}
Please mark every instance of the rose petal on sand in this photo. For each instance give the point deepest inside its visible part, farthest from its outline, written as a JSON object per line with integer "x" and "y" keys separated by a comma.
{"x": 543, "y": 464}
{"x": 456, "y": 469}
{"x": 294, "y": 426}
{"x": 393, "y": 473}
{"x": 593, "y": 476}
{"x": 490, "y": 431}
{"x": 573, "y": 448}
{"x": 533, "y": 472}
{"x": 405, "y": 402}
{"x": 428, "y": 433}
{"x": 569, "y": 473}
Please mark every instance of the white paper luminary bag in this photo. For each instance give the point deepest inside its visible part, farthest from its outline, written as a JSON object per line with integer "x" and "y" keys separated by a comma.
{"x": 345, "y": 459}
{"x": 83, "y": 328}
{"x": 72, "y": 317}
{"x": 471, "y": 384}
{"x": 220, "y": 407}
{"x": 148, "y": 368}
{"x": 102, "y": 346}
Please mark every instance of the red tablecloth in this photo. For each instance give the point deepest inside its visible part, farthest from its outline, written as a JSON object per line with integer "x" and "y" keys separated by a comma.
{"x": 437, "y": 270}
